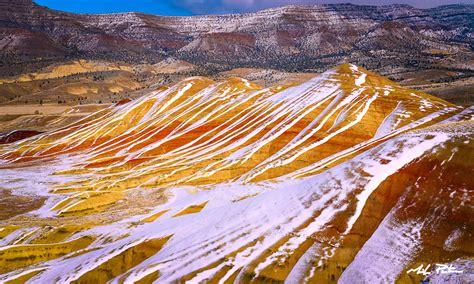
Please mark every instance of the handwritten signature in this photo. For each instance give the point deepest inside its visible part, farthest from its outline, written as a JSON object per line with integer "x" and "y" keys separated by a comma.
{"x": 437, "y": 268}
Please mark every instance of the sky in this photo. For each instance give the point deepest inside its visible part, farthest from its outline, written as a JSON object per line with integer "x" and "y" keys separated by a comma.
{"x": 199, "y": 7}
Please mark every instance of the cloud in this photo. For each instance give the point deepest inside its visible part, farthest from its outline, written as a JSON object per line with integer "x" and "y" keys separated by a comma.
{"x": 240, "y": 6}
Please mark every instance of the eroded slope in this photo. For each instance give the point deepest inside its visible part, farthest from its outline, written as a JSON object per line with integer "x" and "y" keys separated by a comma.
{"x": 230, "y": 181}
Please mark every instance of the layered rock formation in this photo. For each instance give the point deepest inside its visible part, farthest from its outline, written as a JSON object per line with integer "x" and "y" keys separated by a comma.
{"x": 14, "y": 136}
{"x": 346, "y": 177}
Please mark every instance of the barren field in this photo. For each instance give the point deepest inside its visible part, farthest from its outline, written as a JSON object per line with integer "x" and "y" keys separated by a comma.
{"x": 32, "y": 109}
{"x": 43, "y": 117}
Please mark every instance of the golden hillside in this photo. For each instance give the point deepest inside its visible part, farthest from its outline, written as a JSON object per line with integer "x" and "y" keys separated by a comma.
{"x": 233, "y": 182}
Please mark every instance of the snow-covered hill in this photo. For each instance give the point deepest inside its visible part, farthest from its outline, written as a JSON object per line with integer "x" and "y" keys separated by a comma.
{"x": 346, "y": 177}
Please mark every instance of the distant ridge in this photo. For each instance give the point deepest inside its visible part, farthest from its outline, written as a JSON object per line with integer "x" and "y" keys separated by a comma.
{"x": 303, "y": 38}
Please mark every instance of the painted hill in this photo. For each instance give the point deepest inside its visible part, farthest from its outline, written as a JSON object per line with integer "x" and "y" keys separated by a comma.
{"x": 346, "y": 177}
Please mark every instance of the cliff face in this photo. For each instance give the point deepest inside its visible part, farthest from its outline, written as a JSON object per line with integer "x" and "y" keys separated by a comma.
{"x": 293, "y": 37}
